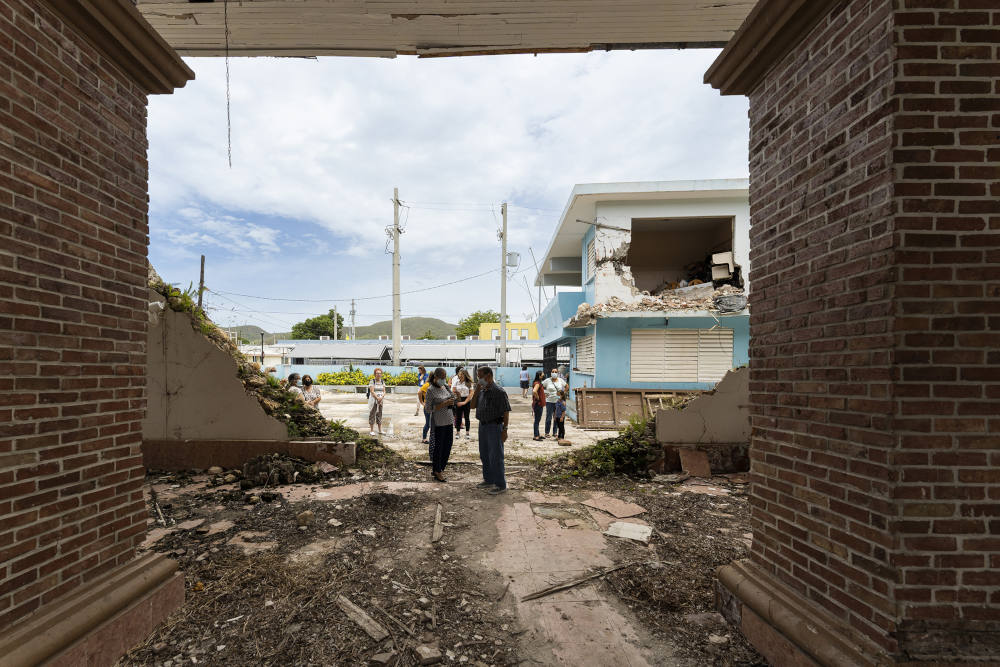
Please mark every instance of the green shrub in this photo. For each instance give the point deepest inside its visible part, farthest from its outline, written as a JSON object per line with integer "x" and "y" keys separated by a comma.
{"x": 631, "y": 453}
{"x": 341, "y": 432}
{"x": 357, "y": 377}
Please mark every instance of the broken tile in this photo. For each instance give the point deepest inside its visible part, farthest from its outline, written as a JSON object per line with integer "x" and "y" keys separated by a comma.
{"x": 613, "y": 506}
{"x": 189, "y": 524}
{"x": 695, "y": 462}
{"x": 219, "y": 527}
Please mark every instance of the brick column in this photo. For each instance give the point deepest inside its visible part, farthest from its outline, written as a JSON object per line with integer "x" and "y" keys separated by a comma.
{"x": 875, "y": 375}
{"x": 73, "y": 238}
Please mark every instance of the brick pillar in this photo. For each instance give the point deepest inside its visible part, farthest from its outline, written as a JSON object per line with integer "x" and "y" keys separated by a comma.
{"x": 73, "y": 238}
{"x": 875, "y": 291}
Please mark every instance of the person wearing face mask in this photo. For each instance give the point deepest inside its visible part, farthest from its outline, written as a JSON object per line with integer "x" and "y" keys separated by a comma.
{"x": 493, "y": 413}
{"x": 553, "y": 386}
{"x": 292, "y": 385}
{"x": 310, "y": 394}
{"x": 437, "y": 404}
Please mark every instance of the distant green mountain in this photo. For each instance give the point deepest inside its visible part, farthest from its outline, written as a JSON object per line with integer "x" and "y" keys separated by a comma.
{"x": 251, "y": 333}
{"x": 411, "y": 326}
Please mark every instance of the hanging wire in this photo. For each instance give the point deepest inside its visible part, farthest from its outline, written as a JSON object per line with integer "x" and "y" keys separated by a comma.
{"x": 360, "y": 298}
{"x": 229, "y": 118}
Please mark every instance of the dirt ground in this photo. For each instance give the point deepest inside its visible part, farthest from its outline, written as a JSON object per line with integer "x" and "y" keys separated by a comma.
{"x": 401, "y": 428}
{"x": 265, "y": 583}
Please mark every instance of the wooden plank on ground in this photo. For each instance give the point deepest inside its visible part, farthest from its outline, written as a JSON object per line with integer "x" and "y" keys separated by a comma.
{"x": 438, "y": 528}
{"x": 357, "y": 614}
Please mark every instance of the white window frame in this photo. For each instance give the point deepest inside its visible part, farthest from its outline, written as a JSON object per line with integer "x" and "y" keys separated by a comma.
{"x": 697, "y": 356}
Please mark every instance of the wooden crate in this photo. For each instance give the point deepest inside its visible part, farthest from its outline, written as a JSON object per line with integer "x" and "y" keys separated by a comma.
{"x": 599, "y": 407}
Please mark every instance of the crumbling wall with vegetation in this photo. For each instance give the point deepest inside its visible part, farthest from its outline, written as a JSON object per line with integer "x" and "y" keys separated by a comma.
{"x": 276, "y": 401}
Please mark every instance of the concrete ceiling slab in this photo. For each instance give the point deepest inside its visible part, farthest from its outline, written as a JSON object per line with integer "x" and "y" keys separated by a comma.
{"x": 429, "y": 28}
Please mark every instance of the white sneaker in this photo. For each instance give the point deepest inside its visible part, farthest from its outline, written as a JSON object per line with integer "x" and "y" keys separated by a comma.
{"x": 372, "y": 433}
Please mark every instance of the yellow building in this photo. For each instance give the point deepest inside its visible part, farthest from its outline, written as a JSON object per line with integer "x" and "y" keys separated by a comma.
{"x": 515, "y": 331}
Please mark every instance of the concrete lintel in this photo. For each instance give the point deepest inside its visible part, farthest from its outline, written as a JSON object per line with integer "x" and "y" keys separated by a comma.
{"x": 118, "y": 29}
{"x": 772, "y": 29}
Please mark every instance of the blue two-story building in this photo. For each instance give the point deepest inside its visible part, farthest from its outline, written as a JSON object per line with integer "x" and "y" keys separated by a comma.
{"x": 638, "y": 269}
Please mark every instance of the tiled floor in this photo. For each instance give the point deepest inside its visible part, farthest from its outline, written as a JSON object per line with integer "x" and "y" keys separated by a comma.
{"x": 579, "y": 625}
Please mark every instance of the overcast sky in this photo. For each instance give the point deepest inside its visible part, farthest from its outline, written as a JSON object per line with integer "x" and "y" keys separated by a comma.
{"x": 318, "y": 145}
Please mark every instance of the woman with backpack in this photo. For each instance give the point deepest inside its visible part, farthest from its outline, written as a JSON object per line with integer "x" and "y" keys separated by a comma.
{"x": 376, "y": 394}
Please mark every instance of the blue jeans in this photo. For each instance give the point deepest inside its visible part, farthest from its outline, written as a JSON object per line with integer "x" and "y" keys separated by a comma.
{"x": 550, "y": 410}
{"x": 427, "y": 424}
{"x": 491, "y": 454}
{"x": 537, "y": 410}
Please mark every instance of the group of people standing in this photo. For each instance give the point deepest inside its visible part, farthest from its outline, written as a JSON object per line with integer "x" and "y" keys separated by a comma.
{"x": 448, "y": 405}
{"x": 549, "y": 394}
{"x": 307, "y": 392}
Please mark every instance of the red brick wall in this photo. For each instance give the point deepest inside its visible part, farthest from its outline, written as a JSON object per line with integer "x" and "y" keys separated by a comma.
{"x": 821, "y": 317}
{"x": 875, "y": 379}
{"x": 73, "y": 237}
{"x": 947, "y": 325}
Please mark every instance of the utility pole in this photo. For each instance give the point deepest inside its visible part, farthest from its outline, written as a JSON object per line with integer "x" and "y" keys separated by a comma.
{"x": 396, "y": 322}
{"x": 262, "y": 349}
{"x": 503, "y": 287}
{"x": 353, "y": 335}
{"x": 335, "y": 332}
{"x": 201, "y": 282}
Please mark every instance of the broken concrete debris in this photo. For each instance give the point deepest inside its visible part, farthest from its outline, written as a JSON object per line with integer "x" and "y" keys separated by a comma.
{"x": 697, "y": 297}
{"x": 427, "y": 655}
{"x": 382, "y": 659}
{"x": 304, "y": 518}
{"x": 631, "y": 531}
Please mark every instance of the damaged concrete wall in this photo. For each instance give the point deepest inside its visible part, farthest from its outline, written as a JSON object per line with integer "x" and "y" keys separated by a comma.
{"x": 192, "y": 389}
{"x": 614, "y": 276}
{"x": 721, "y": 417}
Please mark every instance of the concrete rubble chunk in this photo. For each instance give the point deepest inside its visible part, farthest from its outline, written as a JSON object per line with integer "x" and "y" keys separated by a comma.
{"x": 305, "y": 518}
{"x": 427, "y": 655}
{"x": 631, "y": 531}
{"x": 695, "y": 462}
{"x": 381, "y": 659}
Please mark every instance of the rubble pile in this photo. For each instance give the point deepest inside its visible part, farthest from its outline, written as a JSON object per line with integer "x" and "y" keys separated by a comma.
{"x": 277, "y": 469}
{"x": 324, "y": 583}
{"x": 697, "y": 297}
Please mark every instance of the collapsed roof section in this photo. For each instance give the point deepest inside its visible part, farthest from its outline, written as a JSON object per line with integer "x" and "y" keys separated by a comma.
{"x": 434, "y": 28}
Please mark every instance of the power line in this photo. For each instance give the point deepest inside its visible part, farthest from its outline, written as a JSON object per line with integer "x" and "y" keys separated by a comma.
{"x": 361, "y": 298}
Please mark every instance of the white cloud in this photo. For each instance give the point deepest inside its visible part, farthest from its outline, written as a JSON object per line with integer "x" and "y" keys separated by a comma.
{"x": 319, "y": 145}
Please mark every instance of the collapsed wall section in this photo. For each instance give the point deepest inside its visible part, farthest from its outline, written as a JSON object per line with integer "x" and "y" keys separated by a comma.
{"x": 193, "y": 391}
